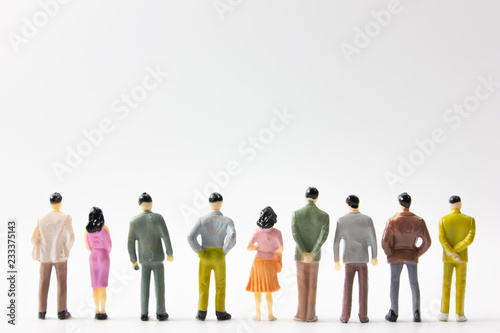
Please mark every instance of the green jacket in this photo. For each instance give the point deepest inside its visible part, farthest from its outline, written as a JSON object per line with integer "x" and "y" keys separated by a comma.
{"x": 148, "y": 229}
{"x": 456, "y": 233}
{"x": 310, "y": 226}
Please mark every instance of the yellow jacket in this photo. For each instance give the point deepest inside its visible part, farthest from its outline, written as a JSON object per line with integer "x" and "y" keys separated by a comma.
{"x": 456, "y": 233}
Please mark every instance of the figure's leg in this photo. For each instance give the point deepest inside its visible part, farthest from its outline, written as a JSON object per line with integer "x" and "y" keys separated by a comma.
{"x": 415, "y": 290}
{"x": 269, "y": 299}
{"x": 62, "y": 273}
{"x": 102, "y": 299}
{"x": 257, "y": 305}
{"x": 447, "y": 277}
{"x": 159, "y": 272}
{"x": 312, "y": 273}
{"x": 145, "y": 282}
{"x": 220, "y": 282}
{"x": 43, "y": 288}
{"x": 363, "y": 292}
{"x": 460, "y": 285}
{"x": 302, "y": 291}
{"x": 95, "y": 295}
{"x": 395, "y": 277}
{"x": 204, "y": 283}
{"x": 350, "y": 271}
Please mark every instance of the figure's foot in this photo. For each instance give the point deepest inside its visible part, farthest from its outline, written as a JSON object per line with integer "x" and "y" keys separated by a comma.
{"x": 101, "y": 316}
{"x": 461, "y": 319}
{"x": 344, "y": 320}
{"x": 271, "y": 318}
{"x": 416, "y": 317}
{"x": 391, "y": 316}
{"x": 144, "y": 317}
{"x": 297, "y": 319}
{"x": 201, "y": 315}
{"x": 364, "y": 319}
{"x": 63, "y": 315}
{"x": 41, "y": 315}
{"x": 222, "y": 315}
{"x": 443, "y": 316}
{"x": 162, "y": 316}
{"x": 256, "y": 317}
{"x": 313, "y": 320}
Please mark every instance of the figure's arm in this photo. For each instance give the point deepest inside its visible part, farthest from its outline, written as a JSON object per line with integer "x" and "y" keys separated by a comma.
{"x": 108, "y": 243}
{"x": 131, "y": 246}
{"x": 296, "y": 235}
{"x": 336, "y": 246}
{"x": 230, "y": 237}
{"x": 86, "y": 241}
{"x": 280, "y": 243}
{"x": 193, "y": 237}
{"x": 387, "y": 238}
{"x": 35, "y": 238}
{"x": 166, "y": 239}
{"x": 426, "y": 240}
{"x": 467, "y": 240}
{"x": 372, "y": 241}
{"x": 443, "y": 240}
{"x": 70, "y": 235}
{"x": 251, "y": 244}
{"x": 323, "y": 235}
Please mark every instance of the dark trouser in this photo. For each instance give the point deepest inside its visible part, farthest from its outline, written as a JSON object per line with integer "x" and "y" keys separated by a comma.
{"x": 43, "y": 290}
{"x": 350, "y": 271}
{"x": 307, "y": 281}
{"x": 415, "y": 291}
{"x": 159, "y": 274}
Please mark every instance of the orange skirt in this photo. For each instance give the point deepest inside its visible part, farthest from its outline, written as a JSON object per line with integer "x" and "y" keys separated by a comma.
{"x": 264, "y": 276}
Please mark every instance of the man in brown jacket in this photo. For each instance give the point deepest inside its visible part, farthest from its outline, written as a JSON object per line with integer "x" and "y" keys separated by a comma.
{"x": 399, "y": 243}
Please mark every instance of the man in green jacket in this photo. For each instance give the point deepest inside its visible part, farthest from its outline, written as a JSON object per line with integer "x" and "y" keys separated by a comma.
{"x": 148, "y": 229}
{"x": 310, "y": 226}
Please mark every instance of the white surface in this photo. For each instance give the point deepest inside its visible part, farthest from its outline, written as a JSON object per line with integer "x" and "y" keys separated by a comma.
{"x": 352, "y": 122}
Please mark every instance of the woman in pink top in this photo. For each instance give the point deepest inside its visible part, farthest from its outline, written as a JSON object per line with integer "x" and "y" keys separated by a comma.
{"x": 268, "y": 243}
{"x": 98, "y": 243}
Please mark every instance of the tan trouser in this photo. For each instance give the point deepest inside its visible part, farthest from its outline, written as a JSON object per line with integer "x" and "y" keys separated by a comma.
{"x": 43, "y": 291}
{"x": 307, "y": 281}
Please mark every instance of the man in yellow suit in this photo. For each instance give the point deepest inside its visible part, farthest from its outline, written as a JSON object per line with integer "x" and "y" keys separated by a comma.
{"x": 456, "y": 233}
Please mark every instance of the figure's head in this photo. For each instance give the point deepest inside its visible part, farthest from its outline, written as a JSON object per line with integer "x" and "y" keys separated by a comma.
{"x": 55, "y": 200}
{"x": 96, "y": 220}
{"x": 145, "y": 202}
{"x": 353, "y": 202}
{"x": 267, "y": 219}
{"x": 404, "y": 200}
{"x": 312, "y": 194}
{"x": 455, "y": 202}
{"x": 215, "y": 199}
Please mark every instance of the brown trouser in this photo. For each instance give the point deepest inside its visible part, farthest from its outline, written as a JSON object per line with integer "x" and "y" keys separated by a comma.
{"x": 307, "y": 281}
{"x": 350, "y": 271}
{"x": 43, "y": 291}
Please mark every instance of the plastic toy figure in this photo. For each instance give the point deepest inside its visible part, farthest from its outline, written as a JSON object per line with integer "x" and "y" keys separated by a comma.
{"x": 358, "y": 233}
{"x": 218, "y": 236}
{"x": 98, "y": 242}
{"x": 148, "y": 229}
{"x": 310, "y": 226}
{"x": 268, "y": 243}
{"x": 456, "y": 233}
{"x": 53, "y": 238}
{"x": 399, "y": 244}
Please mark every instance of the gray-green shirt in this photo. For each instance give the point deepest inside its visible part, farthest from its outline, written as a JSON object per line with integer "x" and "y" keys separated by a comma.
{"x": 310, "y": 226}
{"x": 216, "y": 230}
{"x": 148, "y": 229}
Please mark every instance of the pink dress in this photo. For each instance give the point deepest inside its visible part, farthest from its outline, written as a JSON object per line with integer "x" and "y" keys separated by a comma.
{"x": 100, "y": 246}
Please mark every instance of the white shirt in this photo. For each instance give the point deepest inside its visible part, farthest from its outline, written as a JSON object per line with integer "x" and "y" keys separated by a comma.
{"x": 53, "y": 237}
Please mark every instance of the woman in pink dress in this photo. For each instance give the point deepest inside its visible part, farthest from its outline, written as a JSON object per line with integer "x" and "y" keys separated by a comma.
{"x": 268, "y": 243}
{"x": 98, "y": 243}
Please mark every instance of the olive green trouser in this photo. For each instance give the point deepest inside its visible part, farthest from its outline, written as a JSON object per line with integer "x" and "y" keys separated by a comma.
{"x": 212, "y": 258}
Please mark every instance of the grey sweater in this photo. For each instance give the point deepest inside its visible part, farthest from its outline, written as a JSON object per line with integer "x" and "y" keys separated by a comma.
{"x": 358, "y": 233}
{"x": 216, "y": 230}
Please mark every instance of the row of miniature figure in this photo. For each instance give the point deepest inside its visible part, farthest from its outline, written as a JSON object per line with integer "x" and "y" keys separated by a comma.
{"x": 53, "y": 238}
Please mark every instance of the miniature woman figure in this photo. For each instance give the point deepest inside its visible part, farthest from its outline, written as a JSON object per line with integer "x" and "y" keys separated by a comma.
{"x": 267, "y": 264}
{"x": 98, "y": 243}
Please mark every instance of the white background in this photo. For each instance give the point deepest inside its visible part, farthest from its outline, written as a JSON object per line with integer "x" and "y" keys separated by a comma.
{"x": 353, "y": 119}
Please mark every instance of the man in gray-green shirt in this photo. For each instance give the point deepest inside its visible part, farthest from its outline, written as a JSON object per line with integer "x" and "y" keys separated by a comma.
{"x": 310, "y": 226}
{"x": 148, "y": 229}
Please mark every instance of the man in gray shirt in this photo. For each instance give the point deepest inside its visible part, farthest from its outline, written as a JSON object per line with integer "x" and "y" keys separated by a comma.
{"x": 218, "y": 236}
{"x": 358, "y": 233}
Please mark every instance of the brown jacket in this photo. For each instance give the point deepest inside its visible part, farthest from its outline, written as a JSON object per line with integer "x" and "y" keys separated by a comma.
{"x": 400, "y": 237}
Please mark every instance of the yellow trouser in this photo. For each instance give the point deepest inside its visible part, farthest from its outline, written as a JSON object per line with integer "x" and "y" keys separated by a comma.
{"x": 212, "y": 258}
{"x": 461, "y": 272}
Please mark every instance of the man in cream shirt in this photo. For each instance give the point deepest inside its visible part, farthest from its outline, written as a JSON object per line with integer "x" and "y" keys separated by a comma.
{"x": 52, "y": 240}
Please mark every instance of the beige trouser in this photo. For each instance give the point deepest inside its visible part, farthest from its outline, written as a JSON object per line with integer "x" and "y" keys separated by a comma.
{"x": 307, "y": 281}
{"x": 43, "y": 291}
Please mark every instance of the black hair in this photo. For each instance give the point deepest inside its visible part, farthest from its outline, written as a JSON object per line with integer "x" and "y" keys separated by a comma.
{"x": 96, "y": 220}
{"x": 352, "y": 201}
{"x": 267, "y": 219}
{"x": 454, "y": 199}
{"x": 404, "y": 200}
{"x": 55, "y": 198}
{"x": 312, "y": 192}
{"x": 145, "y": 198}
{"x": 215, "y": 197}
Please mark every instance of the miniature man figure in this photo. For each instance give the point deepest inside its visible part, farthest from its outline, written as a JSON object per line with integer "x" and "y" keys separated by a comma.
{"x": 456, "y": 233}
{"x": 148, "y": 229}
{"x": 218, "y": 236}
{"x": 53, "y": 238}
{"x": 310, "y": 226}
{"x": 399, "y": 243}
{"x": 358, "y": 233}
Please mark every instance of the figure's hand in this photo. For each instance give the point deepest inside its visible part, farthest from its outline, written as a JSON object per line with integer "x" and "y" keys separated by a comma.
{"x": 170, "y": 258}
{"x": 199, "y": 253}
{"x": 374, "y": 261}
{"x": 456, "y": 257}
{"x": 252, "y": 247}
{"x": 337, "y": 266}
{"x": 308, "y": 257}
{"x": 135, "y": 266}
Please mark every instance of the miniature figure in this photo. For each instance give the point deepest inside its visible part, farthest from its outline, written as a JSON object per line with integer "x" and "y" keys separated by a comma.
{"x": 358, "y": 233}
{"x": 98, "y": 242}
{"x": 399, "y": 244}
{"x": 53, "y": 238}
{"x": 456, "y": 233}
{"x": 310, "y": 226}
{"x": 268, "y": 243}
{"x": 218, "y": 236}
{"x": 148, "y": 229}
